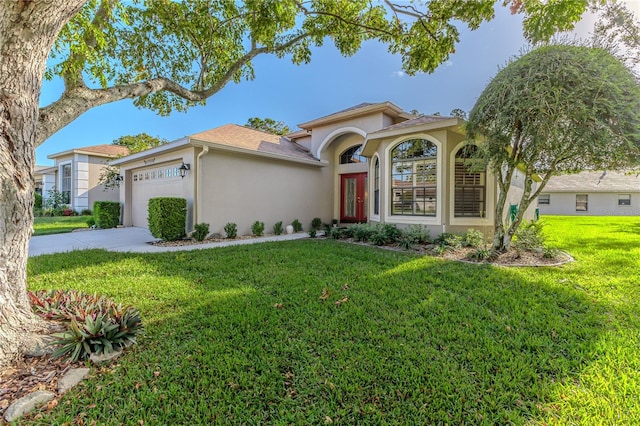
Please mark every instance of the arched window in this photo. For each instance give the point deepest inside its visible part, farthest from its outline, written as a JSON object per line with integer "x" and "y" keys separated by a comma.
{"x": 414, "y": 178}
{"x": 470, "y": 184}
{"x": 376, "y": 186}
{"x": 353, "y": 155}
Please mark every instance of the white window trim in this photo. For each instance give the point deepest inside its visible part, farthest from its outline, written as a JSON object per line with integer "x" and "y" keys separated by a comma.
{"x": 624, "y": 205}
{"x": 60, "y": 177}
{"x": 490, "y": 184}
{"x": 412, "y": 220}
{"x": 372, "y": 187}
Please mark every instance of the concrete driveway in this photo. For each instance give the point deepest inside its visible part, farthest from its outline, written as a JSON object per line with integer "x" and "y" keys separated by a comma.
{"x": 128, "y": 239}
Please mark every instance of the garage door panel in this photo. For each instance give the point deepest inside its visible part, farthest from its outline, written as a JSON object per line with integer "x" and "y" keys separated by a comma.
{"x": 158, "y": 181}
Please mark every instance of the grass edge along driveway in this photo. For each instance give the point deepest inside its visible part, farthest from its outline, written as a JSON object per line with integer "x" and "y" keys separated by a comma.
{"x": 320, "y": 332}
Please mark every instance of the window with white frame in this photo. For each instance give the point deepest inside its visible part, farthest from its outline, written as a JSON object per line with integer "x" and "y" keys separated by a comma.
{"x": 353, "y": 155}
{"x": 544, "y": 199}
{"x": 413, "y": 178}
{"x": 376, "y": 187}
{"x": 582, "y": 202}
{"x": 624, "y": 199}
{"x": 470, "y": 184}
{"x": 65, "y": 182}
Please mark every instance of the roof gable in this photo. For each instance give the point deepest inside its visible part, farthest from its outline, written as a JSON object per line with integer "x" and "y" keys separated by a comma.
{"x": 235, "y": 136}
{"x": 104, "y": 150}
{"x": 365, "y": 108}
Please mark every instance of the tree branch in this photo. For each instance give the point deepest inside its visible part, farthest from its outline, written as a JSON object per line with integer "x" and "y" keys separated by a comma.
{"x": 77, "y": 100}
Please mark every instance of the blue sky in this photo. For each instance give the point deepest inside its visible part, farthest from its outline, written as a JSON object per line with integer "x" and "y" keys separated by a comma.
{"x": 295, "y": 94}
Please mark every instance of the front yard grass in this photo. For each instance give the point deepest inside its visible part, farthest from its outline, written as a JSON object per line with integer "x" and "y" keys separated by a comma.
{"x": 319, "y": 332}
{"x": 58, "y": 224}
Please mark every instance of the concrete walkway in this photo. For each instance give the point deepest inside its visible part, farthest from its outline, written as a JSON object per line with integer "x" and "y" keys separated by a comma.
{"x": 128, "y": 239}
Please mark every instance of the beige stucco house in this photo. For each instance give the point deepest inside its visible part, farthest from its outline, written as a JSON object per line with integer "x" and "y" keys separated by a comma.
{"x": 369, "y": 163}
{"x": 76, "y": 173}
{"x": 592, "y": 193}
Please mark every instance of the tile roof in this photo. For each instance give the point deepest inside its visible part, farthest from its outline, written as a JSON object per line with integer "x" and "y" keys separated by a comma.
{"x": 237, "y": 136}
{"x": 104, "y": 150}
{"x": 422, "y": 119}
{"x": 594, "y": 181}
{"x": 348, "y": 113}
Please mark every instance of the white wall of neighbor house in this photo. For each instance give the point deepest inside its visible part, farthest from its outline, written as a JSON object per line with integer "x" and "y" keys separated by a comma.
{"x": 80, "y": 176}
{"x": 241, "y": 189}
{"x": 97, "y": 191}
{"x": 598, "y": 203}
{"x": 153, "y": 177}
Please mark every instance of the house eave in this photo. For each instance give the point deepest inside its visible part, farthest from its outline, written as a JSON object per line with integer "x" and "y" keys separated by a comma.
{"x": 372, "y": 140}
{"x": 385, "y": 107}
{"x": 235, "y": 149}
{"x": 81, "y": 152}
{"x": 180, "y": 143}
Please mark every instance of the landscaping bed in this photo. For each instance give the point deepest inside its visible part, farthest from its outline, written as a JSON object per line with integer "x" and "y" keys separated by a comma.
{"x": 300, "y": 332}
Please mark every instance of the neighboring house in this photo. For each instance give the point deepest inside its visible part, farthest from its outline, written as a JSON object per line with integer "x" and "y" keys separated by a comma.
{"x": 588, "y": 193}
{"x": 38, "y": 176}
{"x": 76, "y": 173}
{"x": 369, "y": 163}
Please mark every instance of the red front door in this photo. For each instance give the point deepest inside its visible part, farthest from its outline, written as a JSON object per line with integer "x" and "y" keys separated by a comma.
{"x": 353, "y": 197}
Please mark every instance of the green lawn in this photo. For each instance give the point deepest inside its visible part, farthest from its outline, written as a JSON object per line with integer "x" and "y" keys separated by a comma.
{"x": 58, "y": 224}
{"x": 418, "y": 340}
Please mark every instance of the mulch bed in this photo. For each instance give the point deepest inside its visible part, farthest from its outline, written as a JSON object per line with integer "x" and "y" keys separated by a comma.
{"x": 30, "y": 374}
{"x": 211, "y": 239}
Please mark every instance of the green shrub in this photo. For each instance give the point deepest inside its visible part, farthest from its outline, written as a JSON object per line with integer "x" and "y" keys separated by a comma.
{"x": 91, "y": 222}
{"x": 167, "y": 217}
{"x": 550, "y": 252}
{"x": 316, "y": 223}
{"x": 481, "y": 254}
{"x": 529, "y": 236}
{"x": 449, "y": 240}
{"x": 277, "y": 228}
{"x": 86, "y": 212}
{"x": 473, "y": 238}
{"x": 313, "y": 232}
{"x": 107, "y": 214}
{"x": 200, "y": 231}
{"x": 37, "y": 201}
{"x": 336, "y": 233}
{"x": 95, "y": 324}
{"x": 379, "y": 238}
{"x": 297, "y": 226}
{"x": 56, "y": 199}
{"x": 257, "y": 228}
{"x": 417, "y": 234}
{"x": 390, "y": 230}
{"x": 231, "y": 229}
{"x": 361, "y": 232}
{"x": 406, "y": 242}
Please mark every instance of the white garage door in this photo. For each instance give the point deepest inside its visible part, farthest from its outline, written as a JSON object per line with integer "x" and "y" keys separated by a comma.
{"x": 152, "y": 182}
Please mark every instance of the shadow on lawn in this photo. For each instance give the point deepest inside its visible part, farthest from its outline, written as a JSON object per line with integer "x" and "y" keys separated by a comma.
{"x": 416, "y": 341}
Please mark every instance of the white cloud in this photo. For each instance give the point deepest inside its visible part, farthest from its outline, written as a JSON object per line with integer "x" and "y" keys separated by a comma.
{"x": 398, "y": 74}
{"x": 447, "y": 64}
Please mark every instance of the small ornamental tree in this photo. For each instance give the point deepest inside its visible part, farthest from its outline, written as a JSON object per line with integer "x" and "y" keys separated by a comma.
{"x": 558, "y": 109}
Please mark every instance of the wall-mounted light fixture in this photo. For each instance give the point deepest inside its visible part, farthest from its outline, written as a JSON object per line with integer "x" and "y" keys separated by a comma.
{"x": 184, "y": 168}
{"x": 119, "y": 178}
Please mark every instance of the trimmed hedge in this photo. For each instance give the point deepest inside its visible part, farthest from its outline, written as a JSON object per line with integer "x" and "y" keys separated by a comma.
{"x": 167, "y": 217}
{"x": 106, "y": 214}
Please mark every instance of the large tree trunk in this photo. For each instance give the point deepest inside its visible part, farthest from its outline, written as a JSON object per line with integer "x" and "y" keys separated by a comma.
{"x": 27, "y": 32}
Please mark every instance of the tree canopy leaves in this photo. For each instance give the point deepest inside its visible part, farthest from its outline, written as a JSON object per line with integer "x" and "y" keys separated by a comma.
{"x": 139, "y": 142}
{"x": 169, "y": 55}
{"x": 268, "y": 125}
{"x": 556, "y": 109}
